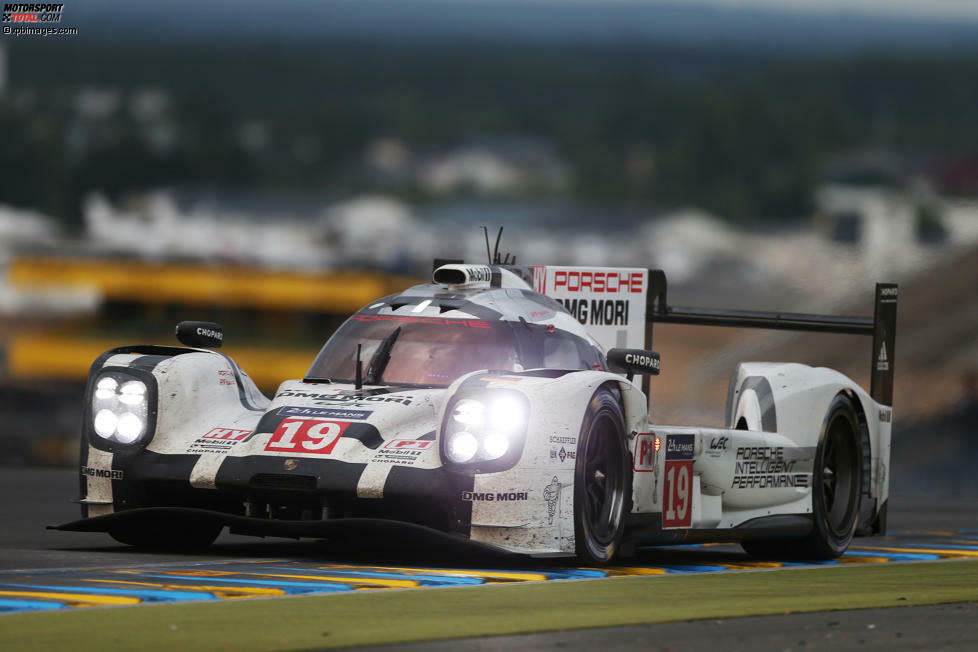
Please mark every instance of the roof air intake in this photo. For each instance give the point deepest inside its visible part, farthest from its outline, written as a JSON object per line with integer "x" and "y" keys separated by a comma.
{"x": 469, "y": 275}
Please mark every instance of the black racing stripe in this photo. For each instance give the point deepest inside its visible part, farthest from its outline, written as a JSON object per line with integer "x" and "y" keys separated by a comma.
{"x": 427, "y": 436}
{"x": 146, "y": 473}
{"x": 148, "y": 362}
{"x": 411, "y": 481}
{"x": 355, "y": 394}
{"x": 332, "y": 476}
{"x": 365, "y": 433}
{"x": 445, "y": 300}
{"x": 484, "y": 313}
{"x": 435, "y": 483}
{"x": 802, "y": 453}
{"x": 100, "y": 362}
{"x": 268, "y": 423}
{"x": 82, "y": 480}
{"x": 731, "y": 391}
{"x": 765, "y": 399}
{"x": 146, "y": 463}
{"x": 152, "y": 349}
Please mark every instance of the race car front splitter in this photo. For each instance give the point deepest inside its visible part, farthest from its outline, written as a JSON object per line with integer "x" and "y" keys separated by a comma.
{"x": 384, "y": 532}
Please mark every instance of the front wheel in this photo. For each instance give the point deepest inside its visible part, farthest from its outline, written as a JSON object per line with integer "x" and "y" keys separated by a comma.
{"x": 835, "y": 491}
{"x": 601, "y": 480}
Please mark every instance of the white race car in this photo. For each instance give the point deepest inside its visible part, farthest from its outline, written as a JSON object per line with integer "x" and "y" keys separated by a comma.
{"x": 498, "y": 405}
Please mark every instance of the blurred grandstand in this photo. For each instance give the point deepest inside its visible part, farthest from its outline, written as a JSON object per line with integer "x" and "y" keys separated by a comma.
{"x": 63, "y": 302}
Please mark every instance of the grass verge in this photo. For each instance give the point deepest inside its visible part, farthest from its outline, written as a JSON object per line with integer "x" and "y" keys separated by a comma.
{"x": 390, "y": 616}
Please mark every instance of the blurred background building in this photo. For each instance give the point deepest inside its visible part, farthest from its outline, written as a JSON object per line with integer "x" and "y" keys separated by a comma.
{"x": 274, "y": 171}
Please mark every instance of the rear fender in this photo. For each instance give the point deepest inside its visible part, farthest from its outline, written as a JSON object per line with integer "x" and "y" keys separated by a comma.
{"x": 792, "y": 400}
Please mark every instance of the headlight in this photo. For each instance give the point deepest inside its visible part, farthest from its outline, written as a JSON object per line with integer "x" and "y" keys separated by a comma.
{"x": 495, "y": 445}
{"x": 120, "y": 407}
{"x": 129, "y": 428}
{"x": 507, "y": 414}
{"x": 105, "y": 423}
{"x": 105, "y": 388}
{"x": 469, "y": 412}
{"x": 133, "y": 393}
{"x": 462, "y": 447}
{"x": 487, "y": 429}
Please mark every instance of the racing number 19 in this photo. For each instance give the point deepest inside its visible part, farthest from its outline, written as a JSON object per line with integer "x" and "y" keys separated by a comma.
{"x": 306, "y": 436}
{"x": 679, "y": 475}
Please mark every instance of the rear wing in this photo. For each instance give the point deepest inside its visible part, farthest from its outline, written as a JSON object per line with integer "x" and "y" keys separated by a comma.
{"x": 882, "y": 326}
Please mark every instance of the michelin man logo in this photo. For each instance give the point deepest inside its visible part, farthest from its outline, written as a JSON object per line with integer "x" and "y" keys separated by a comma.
{"x": 551, "y": 493}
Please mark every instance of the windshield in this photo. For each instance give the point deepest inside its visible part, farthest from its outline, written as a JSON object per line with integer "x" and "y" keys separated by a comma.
{"x": 436, "y": 351}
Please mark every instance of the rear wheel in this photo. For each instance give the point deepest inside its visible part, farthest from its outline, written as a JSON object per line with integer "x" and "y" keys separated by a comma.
{"x": 601, "y": 480}
{"x": 835, "y": 491}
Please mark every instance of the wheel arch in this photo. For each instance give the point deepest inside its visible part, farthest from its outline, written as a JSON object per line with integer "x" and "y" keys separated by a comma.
{"x": 634, "y": 405}
{"x": 589, "y": 548}
{"x": 799, "y": 399}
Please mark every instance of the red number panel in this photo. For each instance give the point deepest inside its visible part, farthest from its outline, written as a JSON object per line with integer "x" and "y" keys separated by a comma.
{"x": 677, "y": 512}
{"x": 306, "y": 436}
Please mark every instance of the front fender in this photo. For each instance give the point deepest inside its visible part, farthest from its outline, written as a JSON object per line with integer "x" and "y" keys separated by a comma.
{"x": 196, "y": 391}
{"x": 541, "y": 519}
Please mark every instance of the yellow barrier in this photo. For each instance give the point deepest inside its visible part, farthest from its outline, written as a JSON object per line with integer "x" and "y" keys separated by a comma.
{"x": 58, "y": 356}
{"x": 196, "y": 284}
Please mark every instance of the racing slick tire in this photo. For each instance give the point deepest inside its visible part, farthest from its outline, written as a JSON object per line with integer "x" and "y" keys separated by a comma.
{"x": 602, "y": 492}
{"x": 835, "y": 492}
{"x": 185, "y": 536}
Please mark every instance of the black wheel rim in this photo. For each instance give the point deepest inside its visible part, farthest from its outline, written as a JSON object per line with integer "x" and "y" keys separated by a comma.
{"x": 838, "y": 477}
{"x": 604, "y": 481}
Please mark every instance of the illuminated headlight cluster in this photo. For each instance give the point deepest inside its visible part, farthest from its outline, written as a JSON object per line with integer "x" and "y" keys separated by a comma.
{"x": 485, "y": 428}
{"x": 120, "y": 408}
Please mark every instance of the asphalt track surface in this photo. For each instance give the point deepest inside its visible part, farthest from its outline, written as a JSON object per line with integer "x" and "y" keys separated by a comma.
{"x": 938, "y": 627}
{"x": 42, "y": 569}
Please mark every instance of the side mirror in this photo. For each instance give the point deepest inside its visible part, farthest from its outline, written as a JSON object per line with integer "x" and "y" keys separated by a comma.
{"x": 200, "y": 334}
{"x": 634, "y": 361}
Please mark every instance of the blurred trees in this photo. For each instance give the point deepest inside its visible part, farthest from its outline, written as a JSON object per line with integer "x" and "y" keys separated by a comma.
{"x": 740, "y": 134}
